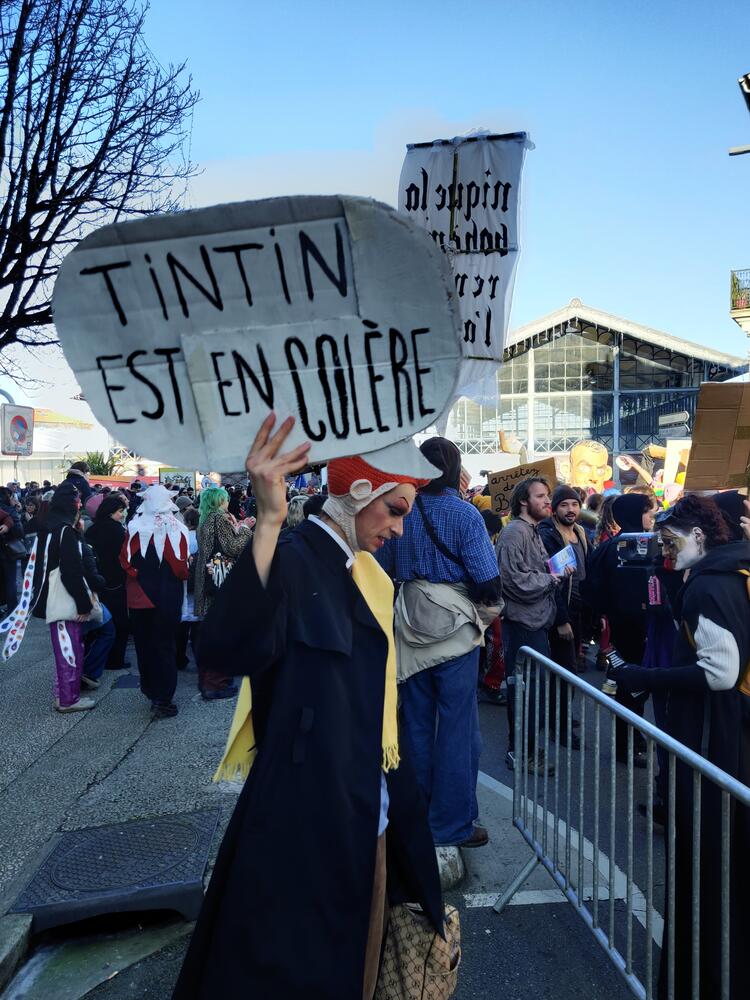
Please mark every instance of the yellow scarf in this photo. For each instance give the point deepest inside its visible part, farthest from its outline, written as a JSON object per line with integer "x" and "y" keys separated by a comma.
{"x": 376, "y": 588}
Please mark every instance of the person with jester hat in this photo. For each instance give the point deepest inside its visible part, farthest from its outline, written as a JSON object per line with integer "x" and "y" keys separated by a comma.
{"x": 155, "y": 558}
{"x": 297, "y": 900}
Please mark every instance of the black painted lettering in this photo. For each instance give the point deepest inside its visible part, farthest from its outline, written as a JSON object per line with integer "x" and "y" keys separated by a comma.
{"x": 372, "y": 374}
{"x": 339, "y": 381}
{"x": 213, "y": 295}
{"x": 470, "y": 331}
{"x": 309, "y": 249}
{"x": 424, "y": 411}
{"x": 479, "y": 282}
{"x": 399, "y": 372}
{"x": 157, "y": 286}
{"x": 472, "y": 199}
{"x": 159, "y": 411}
{"x": 460, "y": 280}
{"x": 265, "y": 391}
{"x": 442, "y": 195}
{"x": 282, "y": 269}
{"x": 301, "y": 404}
{"x": 412, "y": 198}
{"x": 167, "y": 353}
{"x": 104, "y": 270}
{"x": 353, "y": 389}
{"x": 492, "y": 282}
{"x": 222, "y": 384}
{"x": 238, "y": 249}
{"x": 109, "y": 389}
{"x": 488, "y": 328}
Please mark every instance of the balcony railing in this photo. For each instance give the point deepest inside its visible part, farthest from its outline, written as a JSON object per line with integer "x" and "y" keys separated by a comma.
{"x": 740, "y": 289}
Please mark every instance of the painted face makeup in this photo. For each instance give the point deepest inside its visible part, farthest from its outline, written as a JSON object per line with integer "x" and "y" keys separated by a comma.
{"x": 683, "y": 548}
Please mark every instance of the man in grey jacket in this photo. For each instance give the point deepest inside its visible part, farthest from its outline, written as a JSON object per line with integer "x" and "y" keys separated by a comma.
{"x": 528, "y": 590}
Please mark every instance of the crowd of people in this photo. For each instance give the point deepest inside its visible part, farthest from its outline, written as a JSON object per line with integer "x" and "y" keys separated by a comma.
{"x": 167, "y": 565}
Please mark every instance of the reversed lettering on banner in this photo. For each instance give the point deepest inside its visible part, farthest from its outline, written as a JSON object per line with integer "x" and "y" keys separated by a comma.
{"x": 185, "y": 331}
{"x": 503, "y": 483}
{"x": 466, "y": 194}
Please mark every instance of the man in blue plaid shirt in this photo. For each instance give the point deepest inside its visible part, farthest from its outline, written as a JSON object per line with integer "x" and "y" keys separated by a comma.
{"x": 445, "y": 541}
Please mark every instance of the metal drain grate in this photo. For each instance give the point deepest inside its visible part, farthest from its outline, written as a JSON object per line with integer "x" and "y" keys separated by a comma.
{"x": 144, "y": 864}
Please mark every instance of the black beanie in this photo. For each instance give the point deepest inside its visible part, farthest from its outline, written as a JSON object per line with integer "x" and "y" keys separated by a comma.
{"x": 564, "y": 492}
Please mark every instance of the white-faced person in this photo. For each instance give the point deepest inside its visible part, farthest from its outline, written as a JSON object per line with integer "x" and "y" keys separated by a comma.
{"x": 708, "y": 710}
{"x": 297, "y": 900}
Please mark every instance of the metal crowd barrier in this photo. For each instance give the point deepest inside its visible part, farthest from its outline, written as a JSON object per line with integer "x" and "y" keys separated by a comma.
{"x": 548, "y": 807}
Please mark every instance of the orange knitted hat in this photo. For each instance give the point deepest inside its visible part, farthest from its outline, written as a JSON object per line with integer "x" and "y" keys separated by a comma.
{"x": 343, "y": 472}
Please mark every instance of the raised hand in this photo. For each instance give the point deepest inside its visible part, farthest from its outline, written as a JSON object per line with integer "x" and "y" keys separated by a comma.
{"x": 268, "y": 469}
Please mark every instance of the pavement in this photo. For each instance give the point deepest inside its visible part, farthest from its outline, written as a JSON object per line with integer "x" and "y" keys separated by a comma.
{"x": 60, "y": 773}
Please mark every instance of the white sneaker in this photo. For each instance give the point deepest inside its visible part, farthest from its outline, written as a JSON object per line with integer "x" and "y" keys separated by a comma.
{"x": 82, "y": 705}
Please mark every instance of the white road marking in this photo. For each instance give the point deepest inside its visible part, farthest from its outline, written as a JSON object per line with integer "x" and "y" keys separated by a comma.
{"x": 603, "y": 865}
{"x": 527, "y": 897}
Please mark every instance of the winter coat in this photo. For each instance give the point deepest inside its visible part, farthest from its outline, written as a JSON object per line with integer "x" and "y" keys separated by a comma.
{"x": 708, "y": 713}
{"x": 287, "y": 910}
{"x": 81, "y": 483}
{"x": 554, "y": 542}
{"x": 76, "y": 562}
{"x": 153, "y": 582}
{"x": 15, "y": 516}
{"x": 106, "y": 536}
{"x": 216, "y": 534}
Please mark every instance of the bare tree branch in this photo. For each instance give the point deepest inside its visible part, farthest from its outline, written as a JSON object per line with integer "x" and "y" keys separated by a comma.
{"x": 92, "y": 130}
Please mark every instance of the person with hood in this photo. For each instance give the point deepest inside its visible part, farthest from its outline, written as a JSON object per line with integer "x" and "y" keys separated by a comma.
{"x": 450, "y": 594}
{"x": 78, "y": 475}
{"x": 106, "y": 536}
{"x": 708, "y": 710}
{"x": 59, "y": 547}
{"x": 154, "y": 556}
{"x": 613, "y": 591}
{"x": 295, "y": 905}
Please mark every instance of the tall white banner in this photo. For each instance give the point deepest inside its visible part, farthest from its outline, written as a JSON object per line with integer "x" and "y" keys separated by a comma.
{"x": 466, "y": 193}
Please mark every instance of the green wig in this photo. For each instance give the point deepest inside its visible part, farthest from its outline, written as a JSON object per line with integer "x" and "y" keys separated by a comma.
{"x": 211, "y": 501}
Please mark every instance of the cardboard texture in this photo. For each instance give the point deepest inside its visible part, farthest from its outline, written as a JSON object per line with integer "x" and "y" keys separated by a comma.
{"x": 720, "y": 448}
{"x": 503, "y": 483}
{"x": 184, "y": 331}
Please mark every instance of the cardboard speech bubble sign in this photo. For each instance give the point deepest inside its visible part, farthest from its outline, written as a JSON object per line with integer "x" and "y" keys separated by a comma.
{"x": 503, "y": 483}
{"x": 184, "y": 331}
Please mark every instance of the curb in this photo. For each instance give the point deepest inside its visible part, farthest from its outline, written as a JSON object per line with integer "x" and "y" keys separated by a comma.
{"x": 15, "y": 933}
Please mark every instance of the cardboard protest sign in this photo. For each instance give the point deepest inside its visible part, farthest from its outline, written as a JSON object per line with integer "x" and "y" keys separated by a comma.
{"x": 466, "y": 194}
{"x": 720, "y": 449}
{"x": 184, "y": 331}
{"x": 677, "y": 459}
{"x": 503, "y": 483}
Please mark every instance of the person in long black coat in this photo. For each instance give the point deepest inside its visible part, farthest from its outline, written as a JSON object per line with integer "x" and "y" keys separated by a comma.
{"x": 287, "y": 913}
{"x": 708, "y": 710}
{"x": 106, "y": 536}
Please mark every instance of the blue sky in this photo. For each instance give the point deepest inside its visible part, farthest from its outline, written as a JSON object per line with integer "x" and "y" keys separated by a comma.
{"x": 631, "y": 202}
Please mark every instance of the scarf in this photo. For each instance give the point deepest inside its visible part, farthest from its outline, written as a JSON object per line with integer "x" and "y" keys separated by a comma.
{"x": 377, "y": 590}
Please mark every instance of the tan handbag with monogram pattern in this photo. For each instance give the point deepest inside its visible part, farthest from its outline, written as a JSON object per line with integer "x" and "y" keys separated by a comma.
{"x": 417, "y": 963}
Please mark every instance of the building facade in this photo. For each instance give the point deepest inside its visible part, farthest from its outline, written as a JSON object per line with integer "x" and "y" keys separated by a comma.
{"x": 584, "y": 373}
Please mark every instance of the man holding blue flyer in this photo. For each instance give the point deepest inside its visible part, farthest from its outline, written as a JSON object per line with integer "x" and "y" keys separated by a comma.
{"x": 565, "y": 542}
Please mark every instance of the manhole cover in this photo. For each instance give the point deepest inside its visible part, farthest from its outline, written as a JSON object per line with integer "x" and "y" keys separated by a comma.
{"x": 145, "y": 864}
{"x": 124, "y": 856}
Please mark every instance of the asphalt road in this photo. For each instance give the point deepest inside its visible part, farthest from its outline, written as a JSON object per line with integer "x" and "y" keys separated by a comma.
{"x": 60, "y": 773}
